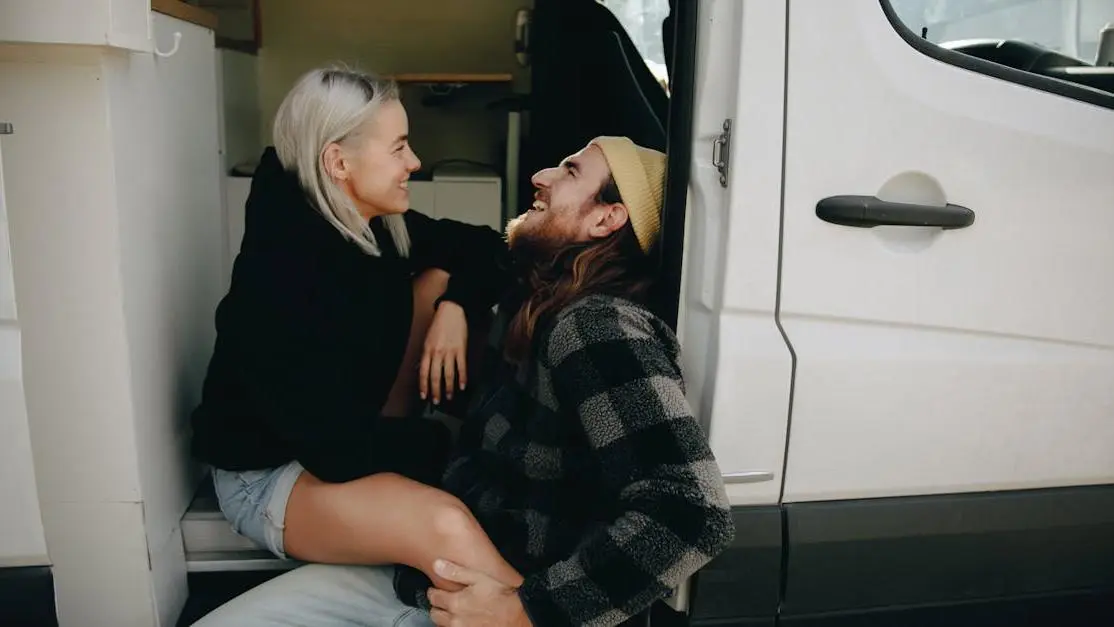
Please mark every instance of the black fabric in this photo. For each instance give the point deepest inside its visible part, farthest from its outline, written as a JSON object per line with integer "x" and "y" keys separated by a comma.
{"x": 312, "y": 331}
{"x": 668, "y": 34}
{"x": 587, "y": 79}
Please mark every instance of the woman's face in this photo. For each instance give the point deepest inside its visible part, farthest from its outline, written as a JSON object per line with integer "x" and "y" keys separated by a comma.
{"x": 375, "y": 166}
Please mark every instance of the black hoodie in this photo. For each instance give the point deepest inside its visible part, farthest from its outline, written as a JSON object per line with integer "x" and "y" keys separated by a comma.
{"x": 312, "y": 331}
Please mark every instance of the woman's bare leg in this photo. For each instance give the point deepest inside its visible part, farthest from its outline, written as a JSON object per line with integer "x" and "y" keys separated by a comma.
{"x": 428, "y": 287}
{"x": 387, "y": 519}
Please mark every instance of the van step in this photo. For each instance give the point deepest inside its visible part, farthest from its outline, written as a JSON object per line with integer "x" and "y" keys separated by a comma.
{"x": 212, "y": 546}
{"x": 232, "y": 561}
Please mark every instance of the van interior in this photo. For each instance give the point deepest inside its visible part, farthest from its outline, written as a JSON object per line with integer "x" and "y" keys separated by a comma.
{"x": 495, "y": 90}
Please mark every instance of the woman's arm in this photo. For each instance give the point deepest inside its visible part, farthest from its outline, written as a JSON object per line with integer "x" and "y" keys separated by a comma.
{"x": 480, "y": 272}
{"x": 476, "y": 258}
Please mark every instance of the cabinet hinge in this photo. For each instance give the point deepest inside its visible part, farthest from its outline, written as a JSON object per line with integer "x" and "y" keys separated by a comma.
{"x": 721, "y": 152}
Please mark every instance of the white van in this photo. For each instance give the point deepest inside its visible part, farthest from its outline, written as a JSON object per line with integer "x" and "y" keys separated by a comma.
{"x": 888, "y": 252}
{"x": 898, "y": 311}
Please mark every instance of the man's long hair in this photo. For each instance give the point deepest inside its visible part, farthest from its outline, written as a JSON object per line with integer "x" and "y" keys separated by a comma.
{"x": 614, "y": 265}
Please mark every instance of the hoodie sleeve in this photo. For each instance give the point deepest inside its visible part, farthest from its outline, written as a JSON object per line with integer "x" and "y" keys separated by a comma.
{"x": 315, "y": 372}
{"x": 476, "y": 258}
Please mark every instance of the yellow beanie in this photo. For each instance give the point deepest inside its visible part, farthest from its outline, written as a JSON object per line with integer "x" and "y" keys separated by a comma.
{"x": 639, "y": 173}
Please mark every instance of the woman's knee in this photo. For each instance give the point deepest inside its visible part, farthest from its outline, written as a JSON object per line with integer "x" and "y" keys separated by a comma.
{"x": 451, "y": 519}
{"x": 453, "y": 525}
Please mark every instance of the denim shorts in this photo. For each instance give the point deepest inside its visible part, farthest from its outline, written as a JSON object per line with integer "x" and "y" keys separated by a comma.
{"x": 254, "y": 501}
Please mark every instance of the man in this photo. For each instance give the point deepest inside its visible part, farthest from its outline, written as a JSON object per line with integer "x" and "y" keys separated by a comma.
{"x": 581, "y": 458}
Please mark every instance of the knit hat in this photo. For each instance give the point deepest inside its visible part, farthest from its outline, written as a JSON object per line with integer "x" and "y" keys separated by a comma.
{"x": 639, "y": 173}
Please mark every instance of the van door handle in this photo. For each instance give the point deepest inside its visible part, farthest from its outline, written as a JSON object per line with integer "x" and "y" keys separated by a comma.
{"x": 870, "y": 211}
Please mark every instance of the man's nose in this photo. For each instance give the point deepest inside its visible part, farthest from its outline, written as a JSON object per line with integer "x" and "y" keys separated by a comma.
{"x": 543, "y": 178}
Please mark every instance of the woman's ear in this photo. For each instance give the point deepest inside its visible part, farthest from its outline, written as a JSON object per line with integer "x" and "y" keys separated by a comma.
{"x": 335, "y": 165}
{"x": 612, "y": 218}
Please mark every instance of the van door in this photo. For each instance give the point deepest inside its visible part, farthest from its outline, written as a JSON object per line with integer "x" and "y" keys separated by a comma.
{"x": 974, "y": 352}
{"x": 738, "y": 367}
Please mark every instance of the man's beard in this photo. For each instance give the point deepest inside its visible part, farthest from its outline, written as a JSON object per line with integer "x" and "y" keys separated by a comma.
{"x": 534, "y": 243}
{"x": 513, "y": 232}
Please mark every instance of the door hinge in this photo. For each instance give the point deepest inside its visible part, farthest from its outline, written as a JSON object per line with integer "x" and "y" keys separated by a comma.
{"x": 721, "y": 152}
{"x": 6, "y": 128}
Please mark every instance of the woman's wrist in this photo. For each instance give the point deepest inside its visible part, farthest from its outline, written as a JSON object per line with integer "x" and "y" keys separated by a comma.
{"x": 446, "y": 300}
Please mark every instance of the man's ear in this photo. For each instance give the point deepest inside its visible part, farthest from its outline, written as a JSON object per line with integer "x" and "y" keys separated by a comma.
{"x": 611, "y": 218}
{"x": 335, "y": 165}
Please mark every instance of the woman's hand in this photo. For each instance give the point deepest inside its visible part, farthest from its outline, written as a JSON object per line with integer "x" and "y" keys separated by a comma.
{"x": 444, "y": 355}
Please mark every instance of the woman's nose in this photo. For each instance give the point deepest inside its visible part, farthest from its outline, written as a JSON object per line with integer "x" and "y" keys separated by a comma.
{"x": 415, "y": 163}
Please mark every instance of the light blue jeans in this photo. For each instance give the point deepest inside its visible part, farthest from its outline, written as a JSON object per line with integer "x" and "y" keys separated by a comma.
{"x": 254, "y": 502}
{"x": 318, "y": 595}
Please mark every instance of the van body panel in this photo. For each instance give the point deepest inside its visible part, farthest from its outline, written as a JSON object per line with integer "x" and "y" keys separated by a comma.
{"x": 744, "y": 582}
{"x": 913, "y": 551}
{"x": 935, "y": 560}
{"x": 931, "y": 360}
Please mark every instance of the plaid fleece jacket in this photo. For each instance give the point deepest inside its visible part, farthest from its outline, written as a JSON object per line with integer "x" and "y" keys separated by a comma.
{"x": 588, "y": 471}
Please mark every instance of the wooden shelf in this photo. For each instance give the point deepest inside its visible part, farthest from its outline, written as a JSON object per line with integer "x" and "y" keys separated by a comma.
{"x": 186, "y": 12}
{"x": 451, "y": 78}
{"x": 239, "y": 45}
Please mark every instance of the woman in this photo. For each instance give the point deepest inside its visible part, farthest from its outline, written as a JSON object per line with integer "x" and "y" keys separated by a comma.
{"x": 343, "y": 306}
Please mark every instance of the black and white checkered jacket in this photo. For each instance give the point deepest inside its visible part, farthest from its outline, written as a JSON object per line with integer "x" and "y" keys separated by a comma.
{"x": 588, "y": 470}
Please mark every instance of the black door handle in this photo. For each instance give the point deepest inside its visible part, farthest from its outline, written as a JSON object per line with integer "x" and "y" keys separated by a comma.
{"x": 869, "y": 211}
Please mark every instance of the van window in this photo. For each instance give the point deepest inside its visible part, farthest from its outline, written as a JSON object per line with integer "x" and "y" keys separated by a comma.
{"x": 1071, "y": 28}
{"x": 642, "y": 20}
{"x": 1055, "y": 42}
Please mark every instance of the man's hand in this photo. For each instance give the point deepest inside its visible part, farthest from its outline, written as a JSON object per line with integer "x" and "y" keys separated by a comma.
{"x": 445, "y": 353}
{"x": 484, "y": 602}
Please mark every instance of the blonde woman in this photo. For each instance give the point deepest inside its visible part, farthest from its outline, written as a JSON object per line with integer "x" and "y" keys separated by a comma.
{"x": 344, "y": 308}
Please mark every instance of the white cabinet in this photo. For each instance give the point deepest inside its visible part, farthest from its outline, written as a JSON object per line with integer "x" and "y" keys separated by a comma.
{"x": 469, "y": 196}
{"x": 7, "y": 283}
{"x": 423, "y": 197}
{"x": 22, "y": 541}
{"x": 236, "y": 192}
{"x": 112, "y": 23}
{"x": 472, "y": 197}
{"x": 107, "y": 391}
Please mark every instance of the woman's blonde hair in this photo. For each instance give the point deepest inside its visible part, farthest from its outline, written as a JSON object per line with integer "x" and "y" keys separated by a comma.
{"x": 325, "y": 106}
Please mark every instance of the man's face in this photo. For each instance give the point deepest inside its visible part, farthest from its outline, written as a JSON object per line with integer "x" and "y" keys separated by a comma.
{"x": 566, "y": 208}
